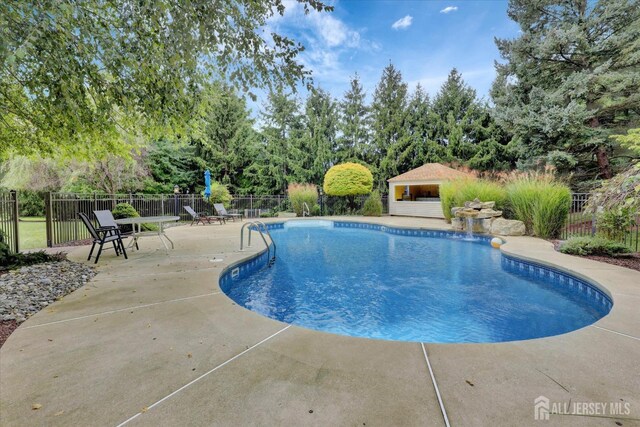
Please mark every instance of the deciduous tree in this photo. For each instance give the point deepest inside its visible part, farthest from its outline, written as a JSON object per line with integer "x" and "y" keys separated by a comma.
{"x": 74, "y": 73}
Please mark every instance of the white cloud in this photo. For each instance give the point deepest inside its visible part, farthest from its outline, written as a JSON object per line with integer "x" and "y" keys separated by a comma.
{"x": 403, "y": 23}
{"x": 333, "y": 31}
{"x": 449, "y": 9}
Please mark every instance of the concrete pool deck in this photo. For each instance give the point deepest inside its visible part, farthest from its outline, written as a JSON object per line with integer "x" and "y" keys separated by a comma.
{"x": 153, "y": 341}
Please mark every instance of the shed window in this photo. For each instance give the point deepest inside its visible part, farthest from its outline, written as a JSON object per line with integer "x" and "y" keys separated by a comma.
{"x": 423, "y": 192}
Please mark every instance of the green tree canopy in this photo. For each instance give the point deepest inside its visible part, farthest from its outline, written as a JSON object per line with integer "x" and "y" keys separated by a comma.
{"x": 570, "y": 80}
{"x": 75, "y": 75}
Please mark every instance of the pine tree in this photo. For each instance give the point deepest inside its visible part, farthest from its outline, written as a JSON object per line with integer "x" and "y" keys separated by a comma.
{"x": 354, "y": 142}
{"x": 570, "y": 80}
{"x": 456, "y": 108}
{"x": 388, "y": 113}
{"x": 420, "y": 127}
{"x": 318, "y": 145}
{"x": 224, "y": 139}
{"x": 283, "y": 128}
{"x": 465, "y": 129}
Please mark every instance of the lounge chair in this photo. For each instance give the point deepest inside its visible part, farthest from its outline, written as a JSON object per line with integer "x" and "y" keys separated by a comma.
{"x": 101, "y": 236}
{"x": 106, "y": 220}
{"x": 202, "y": 217}
{"x": 220, "y": 210}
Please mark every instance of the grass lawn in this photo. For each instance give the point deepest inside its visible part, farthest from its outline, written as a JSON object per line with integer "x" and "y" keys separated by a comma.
{"x": 33, "y": 234}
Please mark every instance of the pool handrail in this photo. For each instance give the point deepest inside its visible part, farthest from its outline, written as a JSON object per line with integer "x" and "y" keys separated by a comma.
{"x": 259, "y": 226}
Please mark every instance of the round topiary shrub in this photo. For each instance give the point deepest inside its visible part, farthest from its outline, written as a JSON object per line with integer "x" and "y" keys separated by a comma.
{"x": 348, "y": 179}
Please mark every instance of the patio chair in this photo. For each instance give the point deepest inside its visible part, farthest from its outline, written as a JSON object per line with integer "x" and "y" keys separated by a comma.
{"x": 201, "y": 217}
{"x": 101, "y": 236}
{"x": 106, "y": 220}
{"x": 220, "y": 210}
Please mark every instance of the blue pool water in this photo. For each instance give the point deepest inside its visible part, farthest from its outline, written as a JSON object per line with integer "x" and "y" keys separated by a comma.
{"x": 426, "y": 287}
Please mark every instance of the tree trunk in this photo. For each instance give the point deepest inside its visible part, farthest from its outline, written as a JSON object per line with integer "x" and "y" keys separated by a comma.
{"x": 603, "y": 162}
{"x": 601, "y": 154}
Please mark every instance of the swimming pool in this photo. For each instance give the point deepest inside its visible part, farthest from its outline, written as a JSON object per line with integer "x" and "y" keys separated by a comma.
{"x": 373, "y": 281}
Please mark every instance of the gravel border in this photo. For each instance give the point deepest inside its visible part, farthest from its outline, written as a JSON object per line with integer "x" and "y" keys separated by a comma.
{"x": 27, "y": 290}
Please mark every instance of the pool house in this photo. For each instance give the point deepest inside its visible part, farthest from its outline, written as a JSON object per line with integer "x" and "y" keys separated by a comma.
{"x": 417, "y": 192}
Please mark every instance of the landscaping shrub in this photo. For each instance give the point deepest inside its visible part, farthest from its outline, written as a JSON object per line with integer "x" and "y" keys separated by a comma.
{"x": 615, "y": 223}
{"x": 219, "y": 194}
{"x": 125, "y": 210}
{"x": 540, "y": 202}
{"x": 593, "y": 246}
{"x": 456, "y": 192}
{"x": 10, "y": 260}
{"x": 373, "y": 205}
{"x": 299, "y": 194}
{"x": 5, "y": 252}
{"x": 348, "y": 179}
{"x": 448, "y": 192}
{"x": 551, "y": 211}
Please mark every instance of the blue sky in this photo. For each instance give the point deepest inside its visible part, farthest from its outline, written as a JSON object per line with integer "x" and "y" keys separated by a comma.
{"x": 424, "y": 39}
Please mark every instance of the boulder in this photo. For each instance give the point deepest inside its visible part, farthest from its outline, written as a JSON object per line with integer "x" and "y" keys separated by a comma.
{"x": 485, "y": 225}
{"x": 457, "y": 224}
{"x": 489, "y": 213}
{"x": 466, "y": 213}
{"x": 475, "y": 204}
{"x": 488, "y": 205}
{"x": 286, "y": 215}
{"x": 508, "y": 227}
{"x": 454, "y": 210}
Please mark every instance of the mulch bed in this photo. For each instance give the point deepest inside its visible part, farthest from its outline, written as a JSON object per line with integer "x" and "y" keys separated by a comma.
{"x": 6, "y": 328}
{"x": 631, "y": 261}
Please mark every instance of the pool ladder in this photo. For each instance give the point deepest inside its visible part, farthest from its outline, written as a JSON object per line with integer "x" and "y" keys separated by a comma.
{"x": 305, "y": 209}
{"x": 261, "y": 228}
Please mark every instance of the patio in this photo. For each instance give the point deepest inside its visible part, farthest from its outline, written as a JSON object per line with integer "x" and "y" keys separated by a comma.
{"x": 153, "y": 341}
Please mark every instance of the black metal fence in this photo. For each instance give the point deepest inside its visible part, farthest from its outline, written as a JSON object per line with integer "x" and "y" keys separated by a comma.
{"x": 63, "y": 225}
{"x": 255, "y": 206}
{"x": 579, "y": 223}
{"x": 9, "y": 219}
{"x": 582, "y": 223}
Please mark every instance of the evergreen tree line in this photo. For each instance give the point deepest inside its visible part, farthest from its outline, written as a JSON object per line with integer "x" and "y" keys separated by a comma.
{"x": 298, "y": 141}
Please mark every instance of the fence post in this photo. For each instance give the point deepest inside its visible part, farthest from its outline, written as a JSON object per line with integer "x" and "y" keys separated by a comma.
{"x": 162, "y": 205}
{"x": 16, "y": 222}
{"x": 48, "y": 219}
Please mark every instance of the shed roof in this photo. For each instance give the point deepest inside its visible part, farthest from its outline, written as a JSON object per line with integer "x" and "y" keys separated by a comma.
{"x": 431, "y": 172}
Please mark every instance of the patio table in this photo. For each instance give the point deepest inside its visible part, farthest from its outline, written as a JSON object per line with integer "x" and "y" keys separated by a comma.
{"x": 160, "y": 220}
